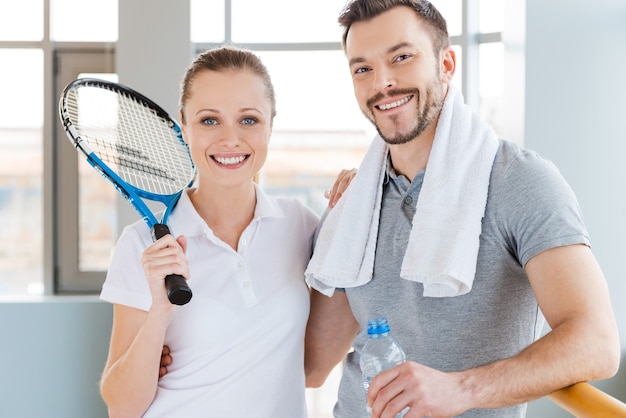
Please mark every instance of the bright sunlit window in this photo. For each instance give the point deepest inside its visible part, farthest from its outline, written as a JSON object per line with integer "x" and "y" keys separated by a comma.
{"x": 80, "y": 21}
{"x": 22, "y": 126}
{"x": 318, "y": 118}
{"x": 21, "y": 171}
{"x": 285, "y": 21}
{"x": 21, "y": 20}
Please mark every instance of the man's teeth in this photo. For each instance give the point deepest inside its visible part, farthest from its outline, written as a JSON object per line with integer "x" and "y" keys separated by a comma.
{"x": 230, "y": 160}
{"x": 394, "y": 104}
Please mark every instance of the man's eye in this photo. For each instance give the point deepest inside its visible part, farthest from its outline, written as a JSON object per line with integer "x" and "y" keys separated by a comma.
{"x": 402, "y": 57}
{"x": 361, "y": 70}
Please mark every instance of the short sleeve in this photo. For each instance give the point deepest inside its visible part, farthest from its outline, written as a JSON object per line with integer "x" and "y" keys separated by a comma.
{"x": 537, "y": 210}
{"x": 125, "y": 282}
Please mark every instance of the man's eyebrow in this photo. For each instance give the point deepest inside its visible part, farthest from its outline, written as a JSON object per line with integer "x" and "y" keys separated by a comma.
{"x": 392, "y": 49}
{"x": 356, "y": 60}
{"x": 399, "y": 46}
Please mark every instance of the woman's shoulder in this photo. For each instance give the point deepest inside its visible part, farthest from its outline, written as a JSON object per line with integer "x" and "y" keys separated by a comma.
{"x": 137, "y": 235}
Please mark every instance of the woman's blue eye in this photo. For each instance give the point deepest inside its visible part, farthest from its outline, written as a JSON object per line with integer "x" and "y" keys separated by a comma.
{"x": 209, "y": 121}
{"x": 248, "y": 121}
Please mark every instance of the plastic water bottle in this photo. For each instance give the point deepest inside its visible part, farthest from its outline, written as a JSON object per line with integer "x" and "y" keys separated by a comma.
{"x": 381, "y": 352}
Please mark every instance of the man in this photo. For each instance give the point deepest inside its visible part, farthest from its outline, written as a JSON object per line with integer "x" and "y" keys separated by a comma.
{"x": 473, "y": 350}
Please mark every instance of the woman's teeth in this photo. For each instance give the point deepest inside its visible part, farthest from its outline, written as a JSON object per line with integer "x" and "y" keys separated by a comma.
{"x": 230, "y": 160}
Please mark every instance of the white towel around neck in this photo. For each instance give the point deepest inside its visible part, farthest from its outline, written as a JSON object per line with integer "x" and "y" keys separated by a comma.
{"x": 444, "y": 240}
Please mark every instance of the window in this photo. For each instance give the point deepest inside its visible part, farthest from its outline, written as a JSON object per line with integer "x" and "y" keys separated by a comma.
{"x": 85, "y": 218}
{"x": 71, "y": 20}
{"x": 326, "y": 123}
{"x": 21, "y": 170}
{"x": 22, "y": 21}
{"x": 283, "y": 21}
{"x": 29, "y": 185}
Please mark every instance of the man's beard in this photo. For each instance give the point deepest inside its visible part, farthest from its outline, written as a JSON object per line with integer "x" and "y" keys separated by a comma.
{"x": 433, "y": 102}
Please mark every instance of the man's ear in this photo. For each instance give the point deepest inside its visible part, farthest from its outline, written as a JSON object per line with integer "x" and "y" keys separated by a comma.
{"x": 447, "y": 58}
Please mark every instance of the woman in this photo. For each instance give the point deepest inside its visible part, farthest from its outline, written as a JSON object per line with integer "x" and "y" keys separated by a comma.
{"x": 238, "y": 344}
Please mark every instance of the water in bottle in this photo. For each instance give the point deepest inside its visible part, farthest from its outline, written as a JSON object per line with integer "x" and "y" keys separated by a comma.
{"x": 381, "y": 352}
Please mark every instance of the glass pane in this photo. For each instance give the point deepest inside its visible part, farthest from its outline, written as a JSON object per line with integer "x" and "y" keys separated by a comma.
{"x": 207, "y": 20}
{"x": 73, "y": 20}
{"x": 452, "y": 11}
{"x": 491, "y": 15}
{"x": 21, "y": 20}
{"x": 21, "y": 171}
{"x": 97, "y": 219}
{"x": 313, "y": 90}
{"x": 97, "y": 203}
{"x": 491, "y": 74}
{"x": 286, "y": 21}
{"x": 319, "y": 128}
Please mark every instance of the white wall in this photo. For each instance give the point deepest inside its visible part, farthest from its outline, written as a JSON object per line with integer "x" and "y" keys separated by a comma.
{"x": 575, "y": 116}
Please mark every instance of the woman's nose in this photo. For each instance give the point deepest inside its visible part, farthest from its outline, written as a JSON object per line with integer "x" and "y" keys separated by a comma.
{"x": 230, "y": 135}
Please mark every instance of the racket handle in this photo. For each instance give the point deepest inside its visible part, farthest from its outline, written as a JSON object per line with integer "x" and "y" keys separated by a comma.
{"x": 178, "y": 291}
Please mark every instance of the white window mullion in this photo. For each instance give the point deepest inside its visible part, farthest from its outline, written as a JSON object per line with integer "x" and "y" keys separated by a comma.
{"x": 48, "y": 180}
{"x": 469, "y": 45}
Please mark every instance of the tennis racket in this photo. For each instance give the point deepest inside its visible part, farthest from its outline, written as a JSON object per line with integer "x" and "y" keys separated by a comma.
{"x": 135, "y": 145}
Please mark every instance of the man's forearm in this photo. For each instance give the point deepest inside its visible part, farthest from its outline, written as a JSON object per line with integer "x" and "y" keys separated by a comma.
{"x": 329, "y": 335}
{"x": 572, "y": 352}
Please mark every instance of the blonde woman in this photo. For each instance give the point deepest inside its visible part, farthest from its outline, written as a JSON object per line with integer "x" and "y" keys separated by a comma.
{"x": 239, "y": 343}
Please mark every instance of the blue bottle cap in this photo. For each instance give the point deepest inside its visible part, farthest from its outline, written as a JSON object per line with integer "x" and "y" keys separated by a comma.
{"x": 377, "y": 326}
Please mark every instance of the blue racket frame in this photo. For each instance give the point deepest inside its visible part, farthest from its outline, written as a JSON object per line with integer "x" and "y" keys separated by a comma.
{"x": 179, "y": 292}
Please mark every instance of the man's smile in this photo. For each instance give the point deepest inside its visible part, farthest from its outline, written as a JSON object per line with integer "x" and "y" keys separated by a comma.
{"x": 387, "y": 106}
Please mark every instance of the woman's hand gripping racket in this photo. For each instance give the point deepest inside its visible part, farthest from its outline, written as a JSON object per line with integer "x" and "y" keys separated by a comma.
{"x": 135, "y": 145}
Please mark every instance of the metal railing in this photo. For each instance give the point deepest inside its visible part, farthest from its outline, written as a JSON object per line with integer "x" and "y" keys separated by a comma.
{"x": 583, "y": 400}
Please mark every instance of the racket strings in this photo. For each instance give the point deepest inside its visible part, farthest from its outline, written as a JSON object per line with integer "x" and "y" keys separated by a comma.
{"x": 136, "y": 166}
{"x": 124, "y": 132}
{"x": 137, "y": 122}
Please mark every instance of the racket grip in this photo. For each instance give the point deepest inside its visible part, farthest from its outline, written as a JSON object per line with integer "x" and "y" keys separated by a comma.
{"x": 178, "y": 291}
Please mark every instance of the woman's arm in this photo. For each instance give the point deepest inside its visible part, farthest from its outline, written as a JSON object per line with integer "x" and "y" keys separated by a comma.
{"x": 131, "y": 373}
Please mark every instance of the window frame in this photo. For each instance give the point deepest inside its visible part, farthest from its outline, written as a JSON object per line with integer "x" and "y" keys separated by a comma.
{"x": 69, "y": 62}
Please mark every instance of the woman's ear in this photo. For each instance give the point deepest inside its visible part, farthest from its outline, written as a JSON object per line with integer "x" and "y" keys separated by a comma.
{"x": 181, "y": 118}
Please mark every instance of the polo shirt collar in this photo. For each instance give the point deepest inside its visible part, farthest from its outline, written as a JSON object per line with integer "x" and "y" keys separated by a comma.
{"x": 266, "y": 207}
{"x": 185, "y": 220}
{"x": 390, "y": 173}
